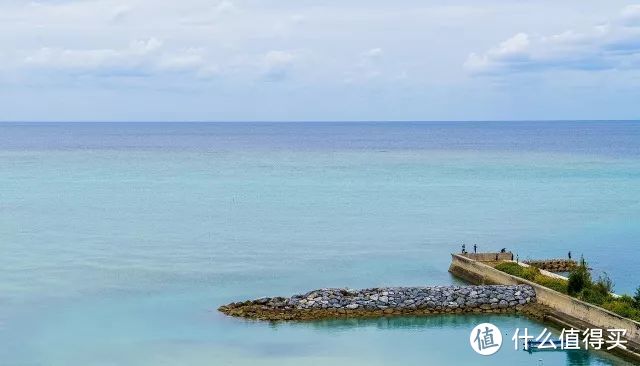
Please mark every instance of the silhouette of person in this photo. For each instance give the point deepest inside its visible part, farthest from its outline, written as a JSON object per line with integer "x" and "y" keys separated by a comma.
{"x": 475, "y": 248}
{"x": 569, "y": 254}
{"x": 464, "y": 248}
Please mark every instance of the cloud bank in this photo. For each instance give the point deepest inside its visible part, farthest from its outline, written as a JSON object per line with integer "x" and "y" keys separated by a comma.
{"x": 611, "y": 45}
{"x": 305, "y": 60}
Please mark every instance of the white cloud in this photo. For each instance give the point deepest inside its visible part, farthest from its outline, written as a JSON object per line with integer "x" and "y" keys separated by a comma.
{"x": 210, "y": 14}
{"x": 512, "y": 50}
{"x": 120, "y": 13}
{"x": 277, "y": 65}
{"x": 374, "y": 52}
{"x": 80, "y": 59}
{"x": 224, "y": 7}
{"x": 190, "y": 59}
{"x": 144, "y": 56}
{"x": 613, "y": 45}
{"x": 145, "y": 46}
{"x": 367, "y": 67}
{"x": 631, "y": 15}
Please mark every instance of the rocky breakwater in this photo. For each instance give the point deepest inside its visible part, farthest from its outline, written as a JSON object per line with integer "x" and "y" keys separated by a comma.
{"x": 553, "y": 265}
{"x": 386, "y": 301}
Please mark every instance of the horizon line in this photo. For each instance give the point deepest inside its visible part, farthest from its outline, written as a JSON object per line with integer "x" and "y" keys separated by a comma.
{"x": 324, "y": 121}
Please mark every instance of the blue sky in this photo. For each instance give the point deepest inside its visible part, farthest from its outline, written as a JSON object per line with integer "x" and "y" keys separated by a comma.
{"x": 229, "y": 60}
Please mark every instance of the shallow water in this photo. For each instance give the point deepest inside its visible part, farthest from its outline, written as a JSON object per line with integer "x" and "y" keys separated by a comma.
{"x": 119, "y": 241}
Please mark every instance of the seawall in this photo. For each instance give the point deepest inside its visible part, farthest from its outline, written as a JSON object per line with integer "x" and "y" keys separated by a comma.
{"x": 563, "y": 309}
{"x": 387, "y": 301}
{"x": 489, "y": 256}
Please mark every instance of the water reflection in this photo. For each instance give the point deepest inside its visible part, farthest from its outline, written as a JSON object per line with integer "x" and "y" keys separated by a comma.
{"x": 579, "y": 358}
{"x": 409, "y": 322}
{"x": 447, "y": 336}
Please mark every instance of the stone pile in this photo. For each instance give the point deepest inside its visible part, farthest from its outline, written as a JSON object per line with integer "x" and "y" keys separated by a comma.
{"x": 333, "y": 302}
{"x": 553, "y": 265}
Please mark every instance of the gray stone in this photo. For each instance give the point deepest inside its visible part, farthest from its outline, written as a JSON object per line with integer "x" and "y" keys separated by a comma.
{"x": 393, "y": 299}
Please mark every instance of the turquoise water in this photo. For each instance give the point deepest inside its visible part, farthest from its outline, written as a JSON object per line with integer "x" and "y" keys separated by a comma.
{"x": 119, "y": 241}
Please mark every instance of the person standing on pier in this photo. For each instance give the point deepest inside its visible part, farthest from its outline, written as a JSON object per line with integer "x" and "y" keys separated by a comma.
{"x": 569, "y": 254}
{"x": 464, "y": 248}
{"x": 475, "y": 248}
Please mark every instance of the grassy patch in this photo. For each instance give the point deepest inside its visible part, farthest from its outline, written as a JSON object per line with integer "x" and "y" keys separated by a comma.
{"x": 623, "y": 306}
{"x": 552, "y": 283}
{"x": 511, "y": 268}
{"x": 533, "y": 274}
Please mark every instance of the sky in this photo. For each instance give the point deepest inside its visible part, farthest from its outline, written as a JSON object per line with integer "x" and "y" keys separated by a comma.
{"x": 335, "y": 60}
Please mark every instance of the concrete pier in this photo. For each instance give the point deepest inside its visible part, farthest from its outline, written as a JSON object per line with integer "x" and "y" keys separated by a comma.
{"x": 561, "y": 309}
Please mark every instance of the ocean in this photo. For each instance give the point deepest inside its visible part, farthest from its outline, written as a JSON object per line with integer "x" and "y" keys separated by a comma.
{"x": 118, "y": 241}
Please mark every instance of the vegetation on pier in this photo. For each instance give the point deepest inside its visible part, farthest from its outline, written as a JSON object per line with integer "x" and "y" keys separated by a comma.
{"x": 580, "y": 285}
{"x": 533, "y": 274}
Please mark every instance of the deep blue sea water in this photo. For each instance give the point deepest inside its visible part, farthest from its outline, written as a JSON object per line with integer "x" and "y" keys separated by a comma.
{"x": 119, "y": 240}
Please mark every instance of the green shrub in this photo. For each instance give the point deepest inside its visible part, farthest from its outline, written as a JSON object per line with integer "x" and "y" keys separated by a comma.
{"x": 594, "y": 295}
{"x": 577, "y": 282}
{"x": 604, "y": 284}
{"x": 599, "y": 292}
{"x": 636, "y": 298}
{"x": 579, "y": 278}
{"x": 625, "y": 299}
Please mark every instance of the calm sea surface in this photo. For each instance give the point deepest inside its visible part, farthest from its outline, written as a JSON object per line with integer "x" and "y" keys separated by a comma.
{"x": 119, "y": 241}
